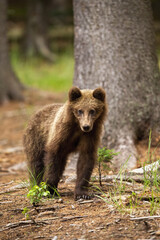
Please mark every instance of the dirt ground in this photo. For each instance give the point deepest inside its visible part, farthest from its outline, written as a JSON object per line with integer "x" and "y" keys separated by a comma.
{"x": 61, "y": 218}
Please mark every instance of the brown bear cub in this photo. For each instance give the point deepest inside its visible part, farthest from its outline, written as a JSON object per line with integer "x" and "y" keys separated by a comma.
{"x": 58, "y": 130}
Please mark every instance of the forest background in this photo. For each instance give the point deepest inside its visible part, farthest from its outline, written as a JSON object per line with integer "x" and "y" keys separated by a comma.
{"x": 54, "y": 70}
{"x": 48, "y": 65}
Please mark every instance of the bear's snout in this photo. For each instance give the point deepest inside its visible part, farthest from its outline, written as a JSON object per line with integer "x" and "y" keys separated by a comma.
{"x": 86, "y": 128}
{"x": 86, "y": 121}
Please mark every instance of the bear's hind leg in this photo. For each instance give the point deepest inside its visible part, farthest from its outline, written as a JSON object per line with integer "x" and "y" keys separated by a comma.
{"x": 36, "y": 169}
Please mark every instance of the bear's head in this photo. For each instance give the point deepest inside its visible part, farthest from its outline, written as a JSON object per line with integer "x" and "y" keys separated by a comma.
{"x": 87, "y": 106}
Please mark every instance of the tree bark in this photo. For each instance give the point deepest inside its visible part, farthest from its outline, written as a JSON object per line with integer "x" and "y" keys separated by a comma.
{"x": 115, "y": 49}
{"x": 10, "y": 87}
{"x": 36, "y": 30}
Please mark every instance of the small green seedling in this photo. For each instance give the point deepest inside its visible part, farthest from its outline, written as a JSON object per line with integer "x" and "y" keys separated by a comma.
{"x": 25, "y": 212}
{"x": 104, "y": 155}
{"x": 36, "y": 193}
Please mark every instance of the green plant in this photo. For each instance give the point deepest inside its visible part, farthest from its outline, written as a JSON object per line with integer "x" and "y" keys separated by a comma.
{"x": 104, "y": 155}
{"x": 109, "y": 197}
{"x": 119, "y": 183}
{"x": 132, "y": 200}
{"x": 36, "y": 193}
{"x": 153, "y": 203}
{"x": 25, "y": 212}
{"x": 33, "y": 178}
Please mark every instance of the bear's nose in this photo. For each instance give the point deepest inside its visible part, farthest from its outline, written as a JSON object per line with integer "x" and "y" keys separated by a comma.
{"x": 86, "y": 128}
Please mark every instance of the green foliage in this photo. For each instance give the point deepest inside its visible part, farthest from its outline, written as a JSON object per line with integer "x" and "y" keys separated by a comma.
{"x": 37, "y": 73}
{"x": 36, "y": 193}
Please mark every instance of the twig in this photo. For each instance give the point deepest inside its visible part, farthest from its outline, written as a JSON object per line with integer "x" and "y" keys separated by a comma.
{"x": 46, "y": 219}
{"x": 38, "y": 237}
{"x": 144, "y": 218}
{"x": 41, "y": 214}
{"x": 14, "y": 188}
{"x": 46, "y": 208}
{"x": 6, "y": 202}
{"x": 71, "y": 218}
{"x": 6, "y": 184}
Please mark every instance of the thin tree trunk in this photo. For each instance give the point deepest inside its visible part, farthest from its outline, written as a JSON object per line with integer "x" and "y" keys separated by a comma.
{"x": 115, "y": 49}
{"x": 10, "y": 87}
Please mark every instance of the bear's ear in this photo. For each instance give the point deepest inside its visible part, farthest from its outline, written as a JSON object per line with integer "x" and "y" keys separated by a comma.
{"x": 99, "y": 94}
{"x": 74, "y": 93}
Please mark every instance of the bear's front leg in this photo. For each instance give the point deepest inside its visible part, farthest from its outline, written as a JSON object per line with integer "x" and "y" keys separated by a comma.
{"x": 84, "y": 170}
{"x": 54, "y": 167}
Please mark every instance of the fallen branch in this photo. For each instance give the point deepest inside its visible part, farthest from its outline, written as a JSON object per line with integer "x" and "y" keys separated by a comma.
{"x": 85, "y": 202}
{"x": 145, "y": 218}
{"x": 6, "y": 202}
{"x": 16, "y": 224}
{"x": 128, "y": 177}
{"x": 148, "y": 168}
{"x": 14, "y": 188}
{"x": 136, "y": 175}
{"x": 6, "y": 184}
{"x": 21, "y": 223}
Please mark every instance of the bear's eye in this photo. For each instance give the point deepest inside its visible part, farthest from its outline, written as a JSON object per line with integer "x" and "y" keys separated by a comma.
{"x": 80, "y": 112}
{"x": 92, "y": 112}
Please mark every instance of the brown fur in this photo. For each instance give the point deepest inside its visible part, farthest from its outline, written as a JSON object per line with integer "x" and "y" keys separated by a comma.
{"x": 58, "y": 130}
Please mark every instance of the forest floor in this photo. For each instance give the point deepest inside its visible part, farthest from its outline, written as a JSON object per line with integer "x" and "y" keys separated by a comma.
{"x": 122, "y": 217}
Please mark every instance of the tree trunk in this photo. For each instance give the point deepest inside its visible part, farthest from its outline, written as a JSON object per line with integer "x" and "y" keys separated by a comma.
{"x": 37, "y": 26}
{"x": 115, "y": 49}
{"x": 10, "y": 87}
